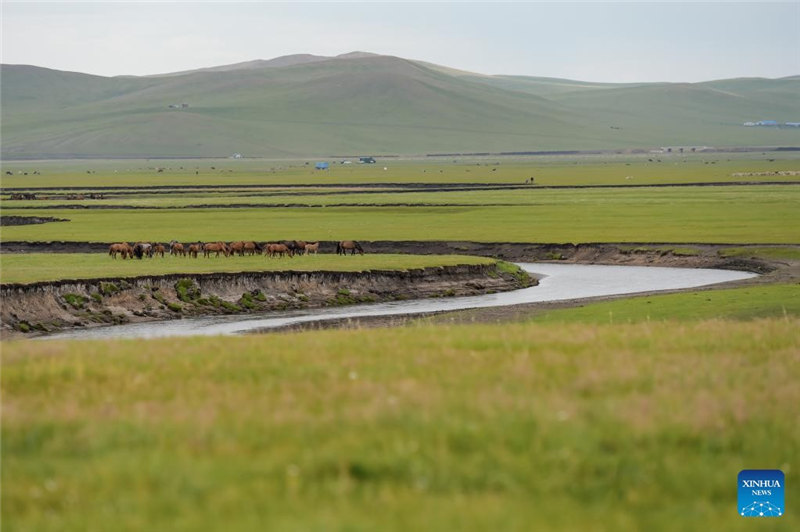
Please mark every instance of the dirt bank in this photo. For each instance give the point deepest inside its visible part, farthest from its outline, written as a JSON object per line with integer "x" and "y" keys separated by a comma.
{"x": 37, "y": 308}
{"x": 29, "y": 220}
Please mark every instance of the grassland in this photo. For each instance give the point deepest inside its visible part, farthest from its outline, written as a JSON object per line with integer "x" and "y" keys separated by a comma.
{"x": 546, "y": 170}
{"x": 514, "y": 427}
{"x": 768, "y": 215}
{"x": 495, "y": 198}
{"x": 33, "y": 267}
{"x": 740, "y": 214}
{"x": 746, "y": 303}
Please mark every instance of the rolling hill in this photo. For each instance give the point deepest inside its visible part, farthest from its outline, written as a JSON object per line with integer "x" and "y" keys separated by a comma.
{"x": 361, "y": 103}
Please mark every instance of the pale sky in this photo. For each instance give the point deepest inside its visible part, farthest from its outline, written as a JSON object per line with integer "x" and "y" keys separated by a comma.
{"x": 591, "y": 41}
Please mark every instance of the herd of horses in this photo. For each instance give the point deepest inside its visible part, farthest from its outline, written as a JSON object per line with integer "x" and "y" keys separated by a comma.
{"x": 285, "y": 248}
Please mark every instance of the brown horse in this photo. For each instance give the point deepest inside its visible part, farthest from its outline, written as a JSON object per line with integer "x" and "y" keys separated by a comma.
{"x": 237, "y": 247}
{"x": 351, "y": 245}
{"x": 250, "y": 248}
{"x": 123, "y": 248}
{"x": 274, "y": 250}
{"x": 194, "y": 249}
{"x": 295, "y": 246}
{"x": 158, "y": 249}
{"x": 176, "y": 248}
{"x": 312, "y": 246}
{"x": 216, "y": 247}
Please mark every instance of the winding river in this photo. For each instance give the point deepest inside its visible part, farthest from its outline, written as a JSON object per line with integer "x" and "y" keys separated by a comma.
{"x": 557, "y": 282}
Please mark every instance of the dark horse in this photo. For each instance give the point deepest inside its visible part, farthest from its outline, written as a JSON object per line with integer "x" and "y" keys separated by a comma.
{"x": 351, "y": 245}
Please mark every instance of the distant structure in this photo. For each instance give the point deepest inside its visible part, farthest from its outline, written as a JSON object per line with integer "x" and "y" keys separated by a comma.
{"x": 321, "y": 166}
{"x": 236, "y": 156}
{"x": 179, "y": 106}
{"x": 771, "y": 123}
{"x": 681, "y": 149}
{"x": 366, "y": 160}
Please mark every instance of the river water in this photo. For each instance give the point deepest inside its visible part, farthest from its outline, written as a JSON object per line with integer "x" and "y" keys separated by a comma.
{"x": 557, "y": 282}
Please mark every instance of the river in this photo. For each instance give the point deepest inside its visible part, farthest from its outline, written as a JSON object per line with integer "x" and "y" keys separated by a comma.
{"x": 557, "y": 282}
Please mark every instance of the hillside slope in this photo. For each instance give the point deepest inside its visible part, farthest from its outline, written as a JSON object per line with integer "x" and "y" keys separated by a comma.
{"x": 363, "y": 103}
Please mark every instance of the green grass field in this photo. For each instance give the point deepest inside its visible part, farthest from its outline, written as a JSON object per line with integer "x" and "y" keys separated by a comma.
{"x": 624, "y": 415}
{"x": 711, "y": 215}
{"x": 505, "y": 427}
{"x": 32, "y": 267}
{"x": 746, "y": 303}
{"x": 546, "y": 170}
{"x": 532, "y": 196}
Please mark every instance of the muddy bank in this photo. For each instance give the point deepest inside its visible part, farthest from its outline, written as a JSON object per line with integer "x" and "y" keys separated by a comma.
{"x": 688, "y": 255}
{"x": 29, "y": 220}
{"x": 37, "y": 308}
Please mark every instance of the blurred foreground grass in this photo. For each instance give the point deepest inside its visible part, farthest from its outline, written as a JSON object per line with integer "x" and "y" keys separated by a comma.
{"x": 505, "y": 427}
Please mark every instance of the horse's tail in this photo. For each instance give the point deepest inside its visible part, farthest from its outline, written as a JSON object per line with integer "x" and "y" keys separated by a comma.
{"x": 338, "y": 248}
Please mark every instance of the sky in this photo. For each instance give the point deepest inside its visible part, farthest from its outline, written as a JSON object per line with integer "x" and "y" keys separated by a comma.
{"x": 590, "y": 41}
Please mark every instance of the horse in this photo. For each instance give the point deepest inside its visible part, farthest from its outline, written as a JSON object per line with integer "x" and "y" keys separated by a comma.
{"x": 123, "y": 248}
{"x": 215, "y": 247}
{"x": 312, "y": 247}
{"x": 140, "y": 249}
{"x": 250, "y": 248}
{"x": 296, "y": 246}
{"x": 237, "y": 247}
{"x": 194, "y": 249}
{"x": 176, "y": 248}
{"x": 352, "y": 245}
{"x": 158, "y": 249}
{"x": 278, "y": 249}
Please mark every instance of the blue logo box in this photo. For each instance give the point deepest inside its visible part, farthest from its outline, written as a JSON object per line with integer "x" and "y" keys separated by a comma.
{"x": 761, "y": 493}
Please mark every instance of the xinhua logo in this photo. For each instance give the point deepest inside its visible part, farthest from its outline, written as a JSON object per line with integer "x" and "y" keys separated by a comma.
{"x": 761, "y": 493}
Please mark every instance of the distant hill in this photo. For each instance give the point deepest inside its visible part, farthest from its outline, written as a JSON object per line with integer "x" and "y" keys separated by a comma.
{"x": 361, "y": 103}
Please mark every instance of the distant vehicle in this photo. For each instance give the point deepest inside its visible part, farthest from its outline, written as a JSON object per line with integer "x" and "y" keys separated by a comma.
{"x": 321, "y": 166}
{"x": 366, "y": 160}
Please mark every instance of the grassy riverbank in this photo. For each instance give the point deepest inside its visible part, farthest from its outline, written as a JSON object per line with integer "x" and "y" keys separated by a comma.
{"x": 746, "y": 303}
{"x": 33, "y": 267}
{"x": 513, "y": 427}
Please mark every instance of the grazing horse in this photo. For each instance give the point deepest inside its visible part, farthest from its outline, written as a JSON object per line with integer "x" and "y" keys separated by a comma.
{"x": 176, "y": 248}
{"x": 250, "y": 248}
{"x": 141, "y": 249}
{"x": 273, "y": 250}
{"x": 216, "y": 247}
{"x": 312, "y": 247}
{"x": 352, "y": 245}
{"x": 237, "y": 247}
{"x": 194, "y": 249}
{"x": 123, "y": 248}
{"x": 296, "y": 246}
{"x": 158, "y": 249}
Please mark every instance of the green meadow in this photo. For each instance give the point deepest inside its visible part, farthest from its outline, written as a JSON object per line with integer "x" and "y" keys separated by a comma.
{"x": 33, "y": 267}
{"x": 745, "y": 303}
{"x": 769, "y": 215}
{"x": 504, "y": 427}
{"x": 610, "y": 169}
{"x": 632, "y": 414}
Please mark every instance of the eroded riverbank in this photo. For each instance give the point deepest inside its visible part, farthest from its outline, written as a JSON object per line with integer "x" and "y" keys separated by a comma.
{"x": 46, "y": 307}
{"x": 558, "y": 282}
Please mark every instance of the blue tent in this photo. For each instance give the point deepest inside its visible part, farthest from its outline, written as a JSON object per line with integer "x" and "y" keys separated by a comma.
{"x": 321, "y": 166}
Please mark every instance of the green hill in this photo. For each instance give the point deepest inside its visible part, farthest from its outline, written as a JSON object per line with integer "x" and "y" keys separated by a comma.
{"x": 361, "y": 103}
